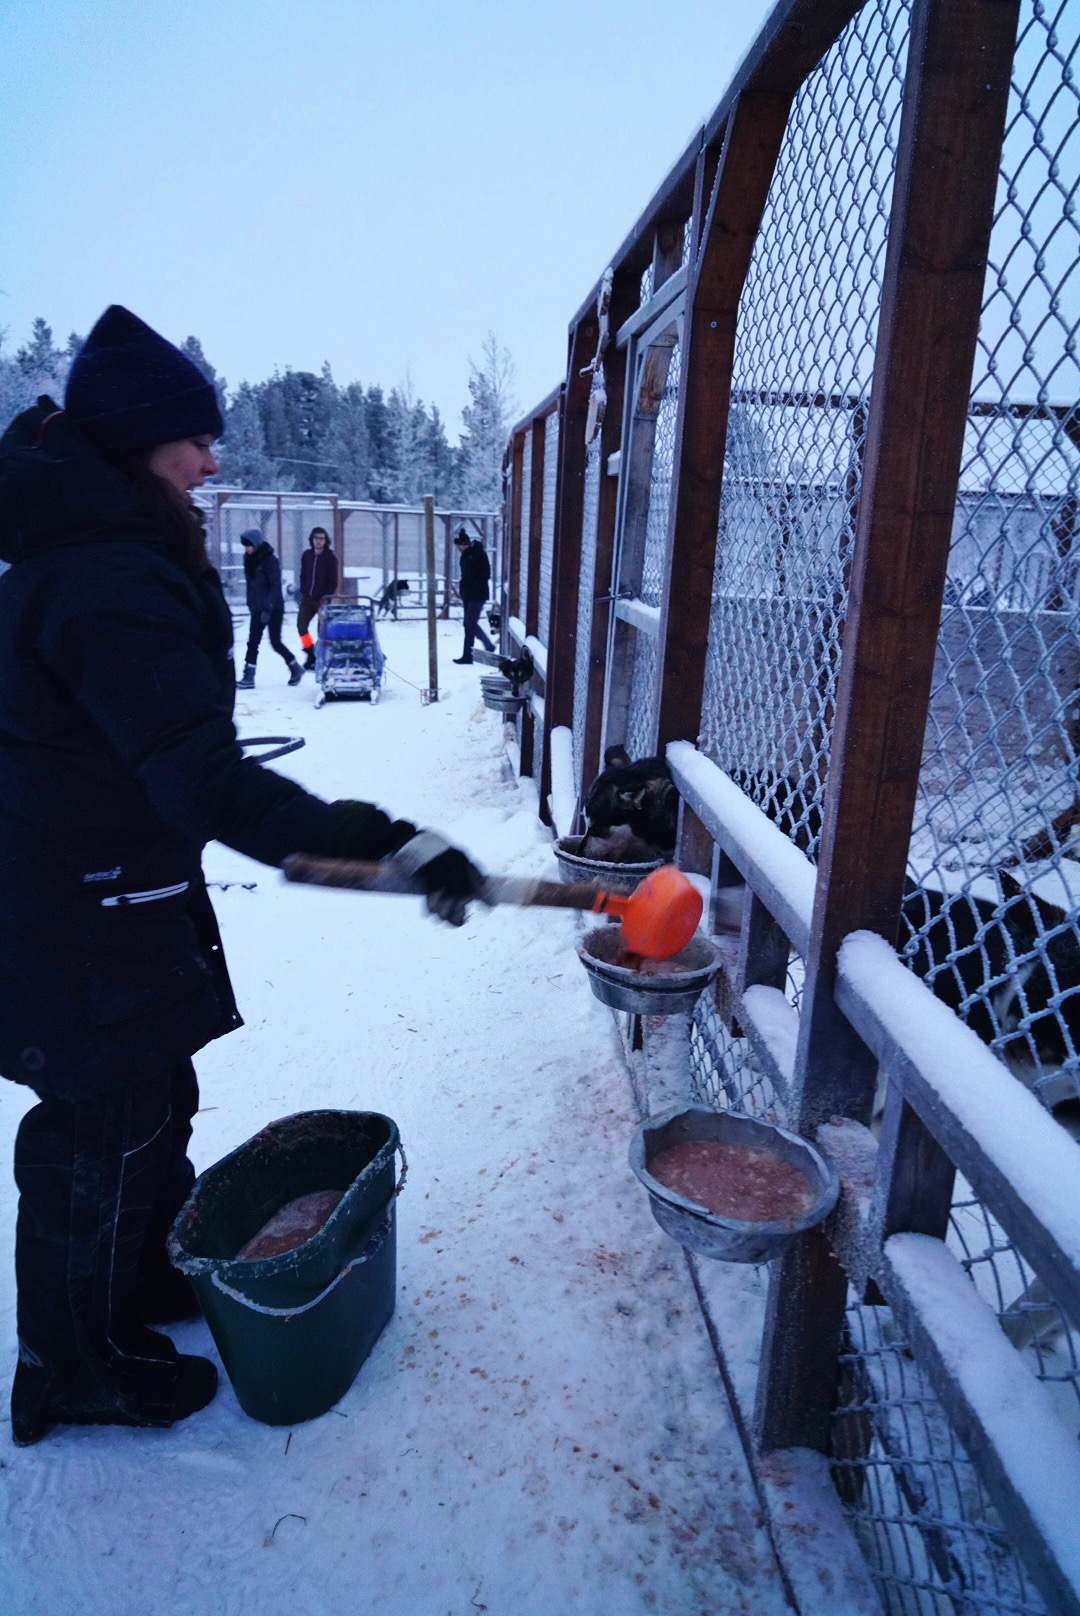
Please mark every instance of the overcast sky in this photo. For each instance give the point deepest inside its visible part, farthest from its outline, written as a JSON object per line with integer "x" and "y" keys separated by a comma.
{"x": 372, "y": 183}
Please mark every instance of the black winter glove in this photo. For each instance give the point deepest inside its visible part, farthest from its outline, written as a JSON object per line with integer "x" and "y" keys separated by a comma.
{"x": 362, "y": 831}
{"x": 264, "y": 618}
{"x": 449, "y": 879}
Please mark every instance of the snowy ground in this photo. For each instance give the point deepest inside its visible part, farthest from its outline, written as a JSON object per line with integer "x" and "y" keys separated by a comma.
{"x": 541, "y": 1428}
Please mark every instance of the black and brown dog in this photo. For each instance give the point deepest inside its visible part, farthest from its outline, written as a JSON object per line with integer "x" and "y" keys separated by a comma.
{"x": 519, "y": 671}
{"x": 391, "y": 596}
{"x": 1008, "y": 966}
{"x": 636, "y": 803}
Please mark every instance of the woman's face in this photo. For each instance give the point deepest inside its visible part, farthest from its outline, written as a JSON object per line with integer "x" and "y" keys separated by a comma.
{"x": 318, "y": 539}
{"x": 186, "y": 463}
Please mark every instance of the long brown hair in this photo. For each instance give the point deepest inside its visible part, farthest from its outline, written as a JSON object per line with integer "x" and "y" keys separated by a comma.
{"x": 177, "y": 519}
{"x": 180, "y": 522}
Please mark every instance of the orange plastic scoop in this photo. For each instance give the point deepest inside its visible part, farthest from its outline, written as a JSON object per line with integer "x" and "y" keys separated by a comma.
{"x": 658, "y": 919}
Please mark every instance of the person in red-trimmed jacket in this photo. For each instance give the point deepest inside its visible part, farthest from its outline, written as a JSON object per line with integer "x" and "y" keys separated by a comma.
{"x": 319, "y": 576}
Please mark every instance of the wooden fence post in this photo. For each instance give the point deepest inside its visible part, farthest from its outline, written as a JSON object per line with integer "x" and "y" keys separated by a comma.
{"x": 513, "y": 576}
{"x": 566, "y": 560}
{"x": 531, "y": 603}
{"x": 447, "y": 553}
{"x": 752, "y": 140}
{"x": 429, "y": 568}
{"x": 624, "y": 296}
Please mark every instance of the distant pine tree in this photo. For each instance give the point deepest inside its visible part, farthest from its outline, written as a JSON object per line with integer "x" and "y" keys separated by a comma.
{"x": 443, "y": 462}
{"x": 193, "y": 348}
{"x": 347, "y": 444}
{"x": 382, "y": 473}
{"x": 244, "y": 460}
{"x": 38, "y": 367}
{"x": 488, "y": 419}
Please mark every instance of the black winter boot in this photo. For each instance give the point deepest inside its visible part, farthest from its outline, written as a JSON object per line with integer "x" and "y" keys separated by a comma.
{"x": 248, "y": 681}
{"x": 296, "y": 672}
{"x": 40, "y": 1399}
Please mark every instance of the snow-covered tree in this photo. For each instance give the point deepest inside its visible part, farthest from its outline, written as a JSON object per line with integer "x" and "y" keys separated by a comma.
{"x": 193, "y": 348}
{"x": 488, "y": 419}
{"x": 39, "y": 366}
{"x": 383, "y": 470}
{"x": 442, "y": 462}
{"x": 347, "y": 445}
{"x": 408, "y": 435}
{"x": 296, "y": 409}
{"x": 244, "y": 460}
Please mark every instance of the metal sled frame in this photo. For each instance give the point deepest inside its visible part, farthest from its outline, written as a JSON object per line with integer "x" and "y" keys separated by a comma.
{"x": 348, "y": 658}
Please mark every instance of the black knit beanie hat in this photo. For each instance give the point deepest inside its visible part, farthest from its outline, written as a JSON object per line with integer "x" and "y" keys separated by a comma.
{"x": 461, "y": 537}
{"x": 130, "y": 389}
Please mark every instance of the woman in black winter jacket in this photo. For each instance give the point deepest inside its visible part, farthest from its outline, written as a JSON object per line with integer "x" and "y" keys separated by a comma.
{"x": 118, "y": 762}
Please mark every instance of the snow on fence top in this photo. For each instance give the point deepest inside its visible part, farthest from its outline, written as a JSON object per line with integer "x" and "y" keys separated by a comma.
{"x": 747, "y": 835}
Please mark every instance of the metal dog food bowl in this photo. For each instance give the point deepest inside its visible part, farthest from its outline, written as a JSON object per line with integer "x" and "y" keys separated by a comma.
{"x": 729, "y": 1239}
{"x": 612, "y": 877}
{"x": 674, "y": 993}
{"x": 499, "y": 697}
{"x": 504, "y": 704}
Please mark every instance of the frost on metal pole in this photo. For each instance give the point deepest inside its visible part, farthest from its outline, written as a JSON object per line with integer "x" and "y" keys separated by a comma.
{"x": 432, "y": 692}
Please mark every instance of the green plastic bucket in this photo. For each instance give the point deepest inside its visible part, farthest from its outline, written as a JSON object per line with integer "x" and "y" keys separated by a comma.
{"x": 293, "y": 1330}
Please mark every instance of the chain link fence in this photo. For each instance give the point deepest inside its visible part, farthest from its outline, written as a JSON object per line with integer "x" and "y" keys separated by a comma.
{"x": 663, "y": 460}
{"x": 793, "y": 459}
{"x": 922, "y": 1517}
{"x": 639, "y": 717}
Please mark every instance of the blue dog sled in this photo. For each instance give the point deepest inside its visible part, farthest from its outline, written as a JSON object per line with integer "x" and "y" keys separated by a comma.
{"x": 348, "y": 658}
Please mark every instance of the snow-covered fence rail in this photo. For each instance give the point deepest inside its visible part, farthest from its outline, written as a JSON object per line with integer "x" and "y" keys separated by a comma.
{"x": 814, "y": 518}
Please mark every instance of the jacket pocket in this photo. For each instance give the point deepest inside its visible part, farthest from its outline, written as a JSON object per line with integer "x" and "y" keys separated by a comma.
{"x": 141, "y": 949}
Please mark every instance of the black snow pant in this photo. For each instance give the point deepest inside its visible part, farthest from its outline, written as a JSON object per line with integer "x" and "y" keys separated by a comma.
{"x": 100, "y": 1180}
{"x": 273, "y": 628}
{"x": 305, "y": 616}
{"x": 473, "y": 631}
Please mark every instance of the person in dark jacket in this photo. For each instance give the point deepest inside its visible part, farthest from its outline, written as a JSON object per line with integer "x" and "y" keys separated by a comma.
{"x": 318, "y": 582}
{"x": 473, "y": 589}
{"x": 266, "y": 603}
{"x": 118, "y": 762}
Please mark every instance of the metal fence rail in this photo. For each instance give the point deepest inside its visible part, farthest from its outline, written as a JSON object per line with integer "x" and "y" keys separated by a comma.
{"x": 815, "y": 512}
